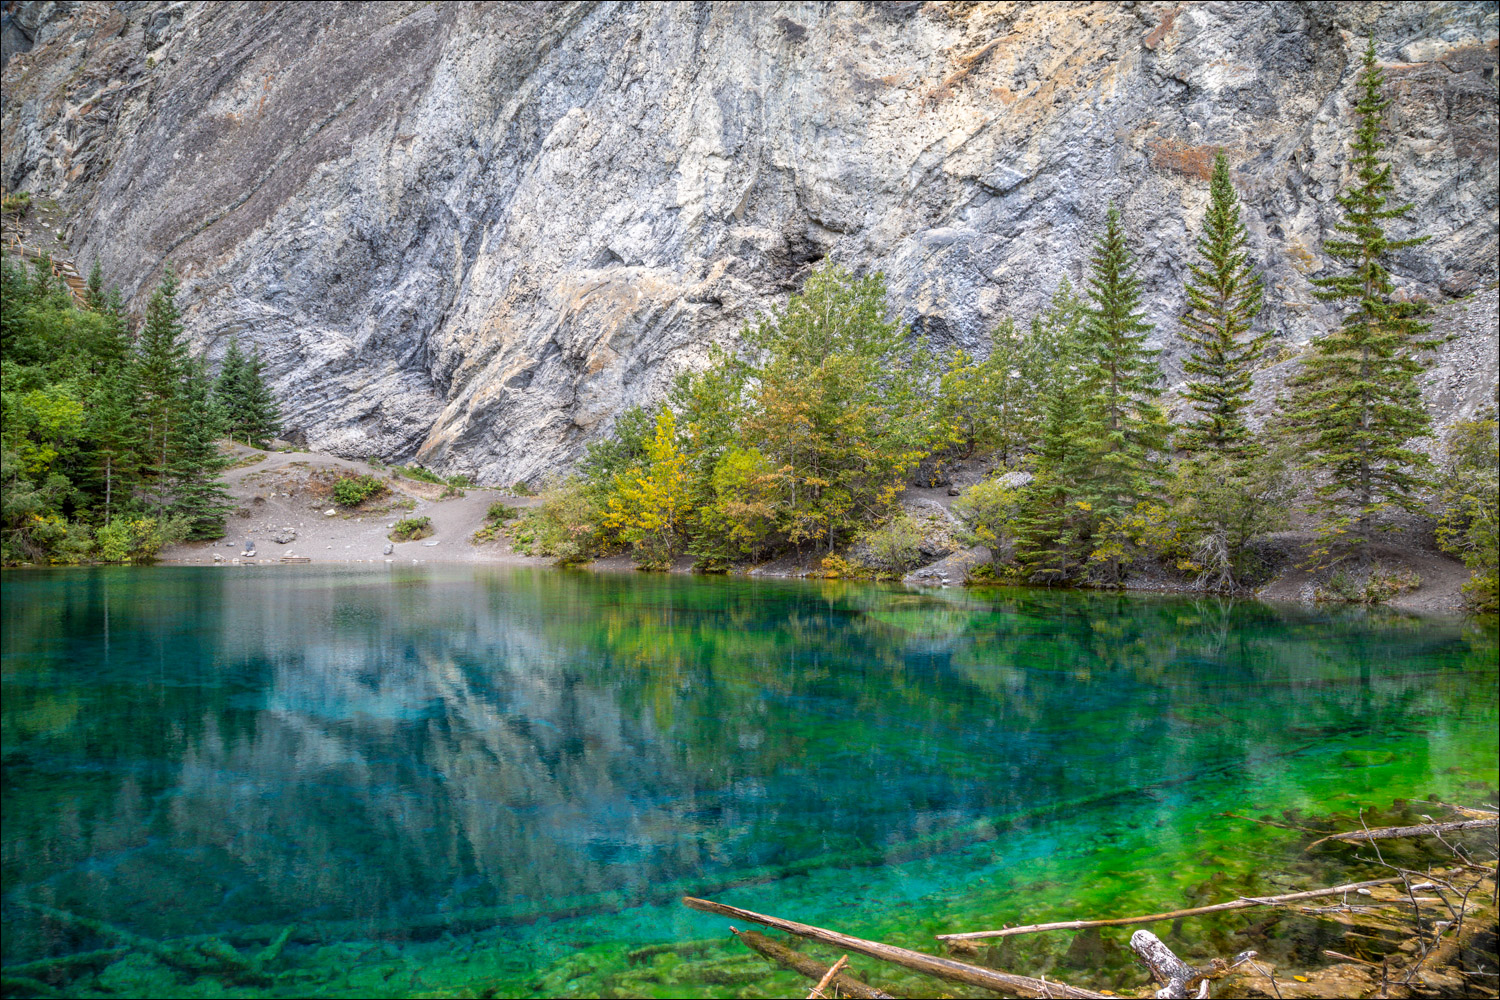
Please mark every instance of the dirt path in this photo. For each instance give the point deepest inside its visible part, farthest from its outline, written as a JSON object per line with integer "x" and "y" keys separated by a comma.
{"x": 289, "y": 495}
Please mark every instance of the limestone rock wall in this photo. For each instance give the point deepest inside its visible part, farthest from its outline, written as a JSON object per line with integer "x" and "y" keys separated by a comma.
{"x": 473, "y": 234}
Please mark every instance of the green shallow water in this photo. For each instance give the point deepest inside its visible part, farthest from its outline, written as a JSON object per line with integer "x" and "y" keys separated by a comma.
{"x": 454, "y": 780}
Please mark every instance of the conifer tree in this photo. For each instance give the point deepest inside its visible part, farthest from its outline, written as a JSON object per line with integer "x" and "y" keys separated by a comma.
{"x": 1224, "y": 297}
{"x": 94, "y": 290}
{"x": 115, "y": 430}
{"x": 1126, "y": 428}
{"x": 160, "y": 370}
{"x": 231, "y": 392}
{"x": 198, "y": 492}
{"x": 1357, "y": 400}
{"x": 263, "y": 416}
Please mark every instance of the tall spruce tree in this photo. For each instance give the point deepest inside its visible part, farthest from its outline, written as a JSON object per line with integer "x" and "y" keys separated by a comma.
{"x": 198, "y": 492}
{"x": 232, "y": 391}
{"x": 115, "y": 430}
{"x": 1224, "y": 297}
{"x": 263, "y": 416}
{"x": 1357, "y": 401}
{"x": 162, "y": 365}
{"x": 1125, "y": 429}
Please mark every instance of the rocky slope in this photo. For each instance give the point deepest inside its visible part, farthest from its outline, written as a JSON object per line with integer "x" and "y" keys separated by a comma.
{"x": 472, "y": 234}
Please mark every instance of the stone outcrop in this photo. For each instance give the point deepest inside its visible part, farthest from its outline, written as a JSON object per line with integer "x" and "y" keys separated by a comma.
{"x": 473, "y": 234}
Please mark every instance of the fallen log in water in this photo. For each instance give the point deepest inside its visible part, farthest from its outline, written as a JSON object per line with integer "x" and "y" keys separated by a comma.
{"x": 1173, "y": 973}
{"x": 1425, "y": 830}
{"x": 1152, "y": 918}
{"x": 932, "y": 965}
{"x": 809, "y": 967}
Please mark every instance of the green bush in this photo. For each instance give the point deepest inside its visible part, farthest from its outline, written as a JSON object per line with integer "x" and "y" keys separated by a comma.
{"x": 566, "y": 524}
{"x": 423, "y": 475}
{"x": 894, "y": 547}
{"x": 351, "y": 491}
{"x": 500, "y": 511}
{"x": 409, "y": 529}
{"x": 1469, "y": 506}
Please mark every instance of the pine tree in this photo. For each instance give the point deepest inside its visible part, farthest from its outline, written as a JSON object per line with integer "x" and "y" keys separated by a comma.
{"x": 162, "y": 365}
{"x": 1125, "y": 429}
{"x": 198, "y": 492}
{"x": 262, "y": 415}
{"x": 94, "y": 289}
{"x": 115, "y": 430}
{"x": 1357, "y": 400}
{"x": 1224, "y": 297}
{"x": 231, "y": 392}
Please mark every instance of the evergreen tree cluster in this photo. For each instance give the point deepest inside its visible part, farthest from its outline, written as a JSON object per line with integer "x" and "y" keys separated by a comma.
{"x": 803, "y": 445}
{"x": 109, "y": 448}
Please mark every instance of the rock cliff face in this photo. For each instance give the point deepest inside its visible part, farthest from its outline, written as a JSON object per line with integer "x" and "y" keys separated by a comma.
{"x": 473, "y": 234}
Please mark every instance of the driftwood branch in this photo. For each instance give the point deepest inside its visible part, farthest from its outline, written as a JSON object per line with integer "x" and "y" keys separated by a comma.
{"x": 1152, "y": 918}
{"x": 1425, "y": 830}
{"x": 1166, "y": 968}
{"x": 932, "y": 965}
{"x": 809, "y": 967}
{"x": 833, "y": 970}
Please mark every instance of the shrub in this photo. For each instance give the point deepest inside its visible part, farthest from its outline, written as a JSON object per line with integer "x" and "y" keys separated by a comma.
{"x": 422, "y": 475}
{"x": 350, "y": 491}
{"x": 500, "y": 512}
{"x": 1469, "y": 506}
{"x": 522, "y": 490}
{"x": 409, "y": 529}
{"x": 138, "y": 539}
{"x": 986, "y": 511}
{"x": 894, "y": 547}
{"x": 565, "y": 525}
{"x": 16, "y": 204}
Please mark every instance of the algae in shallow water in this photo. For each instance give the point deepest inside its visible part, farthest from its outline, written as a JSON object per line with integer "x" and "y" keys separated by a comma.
{"x": 448, "y": 778}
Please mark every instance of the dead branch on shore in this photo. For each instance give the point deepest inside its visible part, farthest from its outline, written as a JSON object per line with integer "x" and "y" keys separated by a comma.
{"x": 811, "y": 968}
{"x": 932, "y": 965}
{"x": 1152, "y": 918}
{"x": 1425, "y": 830}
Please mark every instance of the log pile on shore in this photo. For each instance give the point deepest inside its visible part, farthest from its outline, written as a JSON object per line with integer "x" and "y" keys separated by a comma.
{"x": 1423, "y": 924}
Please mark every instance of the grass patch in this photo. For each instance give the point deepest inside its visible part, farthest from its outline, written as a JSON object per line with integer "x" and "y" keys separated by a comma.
{"x": 409, "y": 529}
{"x": 351, "y": 491}
{"x": 499, "y": 512}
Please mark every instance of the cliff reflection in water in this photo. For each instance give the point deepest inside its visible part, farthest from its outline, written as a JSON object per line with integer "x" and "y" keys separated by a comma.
{"x": 188, "y": 749}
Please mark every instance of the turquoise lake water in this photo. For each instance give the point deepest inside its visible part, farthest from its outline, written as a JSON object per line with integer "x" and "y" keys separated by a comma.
{"x": 450, "y": 780}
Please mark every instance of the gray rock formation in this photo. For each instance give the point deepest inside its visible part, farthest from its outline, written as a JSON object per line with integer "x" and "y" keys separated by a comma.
{"x": 472, "y": 234}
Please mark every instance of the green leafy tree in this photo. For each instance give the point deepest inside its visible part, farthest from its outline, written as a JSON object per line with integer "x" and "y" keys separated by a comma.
{"x": 837, "y": 405}
{"x": 1224, "y": 296}
{"x": 651, "y": 506}
{"x": 1357, "y": 401}
{"x": 1469, "y": 506}
{"x": 740, "y": 517}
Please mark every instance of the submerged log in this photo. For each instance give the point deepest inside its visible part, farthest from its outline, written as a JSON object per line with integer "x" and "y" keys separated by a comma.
{"x": 1425, "y": 830}
{"x": 809, "y": 967}
{"x": 1152, "y": 918}
{"x": 932, "y": 965}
